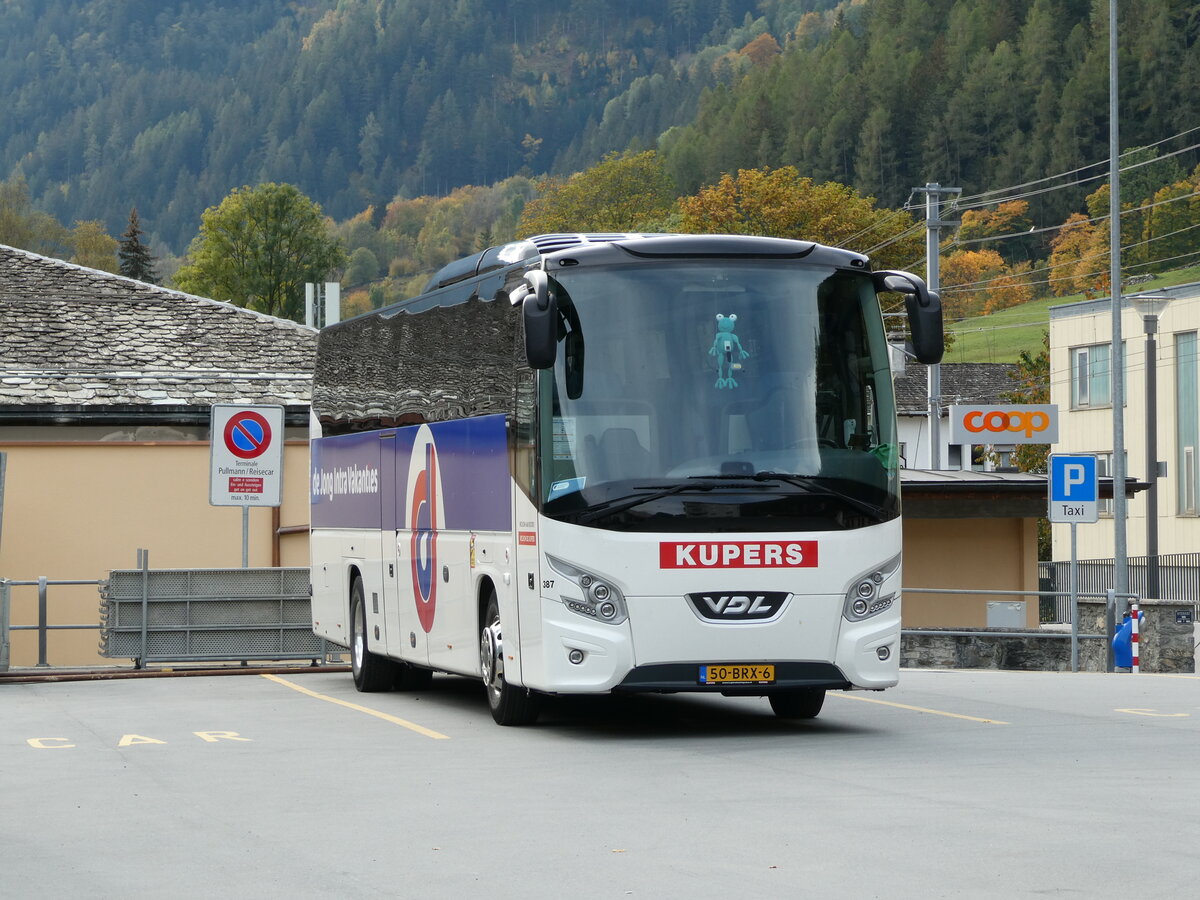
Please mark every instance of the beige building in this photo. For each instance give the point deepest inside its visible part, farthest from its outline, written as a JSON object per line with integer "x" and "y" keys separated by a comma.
{"x": 1081, "y": 386}
{"x": 106, "y": 386}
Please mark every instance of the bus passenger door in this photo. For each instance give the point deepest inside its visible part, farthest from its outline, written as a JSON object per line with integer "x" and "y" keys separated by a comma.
{"x": 406, "y": 638}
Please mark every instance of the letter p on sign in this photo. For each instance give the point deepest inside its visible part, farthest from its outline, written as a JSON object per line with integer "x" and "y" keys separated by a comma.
{"x": 1074, "y": 474}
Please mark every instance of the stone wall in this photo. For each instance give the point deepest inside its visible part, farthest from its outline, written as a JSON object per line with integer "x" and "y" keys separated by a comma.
{"x": 1166, "y": 643}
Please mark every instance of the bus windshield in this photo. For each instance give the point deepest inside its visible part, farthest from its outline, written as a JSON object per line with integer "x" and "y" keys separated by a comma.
{"x": 749, "y": 394}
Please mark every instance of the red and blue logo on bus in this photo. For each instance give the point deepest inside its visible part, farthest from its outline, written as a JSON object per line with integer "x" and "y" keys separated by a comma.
{"x": 424, "y": 518}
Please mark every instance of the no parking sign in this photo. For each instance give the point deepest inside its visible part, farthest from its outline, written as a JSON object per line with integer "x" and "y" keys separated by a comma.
{"x": 247, "y": 455}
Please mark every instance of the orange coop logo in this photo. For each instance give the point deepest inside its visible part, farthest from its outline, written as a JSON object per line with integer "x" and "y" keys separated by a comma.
{"x": 1009, "y": 424}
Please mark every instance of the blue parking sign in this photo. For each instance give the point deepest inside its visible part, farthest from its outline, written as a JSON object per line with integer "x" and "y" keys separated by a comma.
{"x": 1074, "y": 489}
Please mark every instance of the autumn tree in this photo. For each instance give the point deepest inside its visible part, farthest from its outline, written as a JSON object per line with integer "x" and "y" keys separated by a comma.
{"x": 94, "y": 247}
{"x": 780, "y": 203}
{"x": 623, "y": 192}
{"x": 259, "y": 247}
{"x": 1079, "y": 257}
{"x": 134, "y": 256}
{"x": 979, "y": 282}
{"x": 27, "y": 228}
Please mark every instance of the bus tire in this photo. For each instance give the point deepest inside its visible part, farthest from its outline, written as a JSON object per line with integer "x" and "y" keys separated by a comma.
{"x": 510, "y": 705}
{"x": 797, "y": 703}
{"x": 371, "y": 672}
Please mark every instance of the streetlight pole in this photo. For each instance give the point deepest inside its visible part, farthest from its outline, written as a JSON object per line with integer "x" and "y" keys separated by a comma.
{"x": 1116, "y": 356}
{"x": 1151, "y": 307}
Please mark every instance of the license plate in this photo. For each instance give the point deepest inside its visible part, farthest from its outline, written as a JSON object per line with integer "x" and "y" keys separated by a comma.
{"x": 737, "y": 673}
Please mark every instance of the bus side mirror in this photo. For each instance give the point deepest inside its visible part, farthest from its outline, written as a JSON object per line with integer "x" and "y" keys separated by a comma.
{"x": 924, "y": 309}
{"x": 539, "y": 311}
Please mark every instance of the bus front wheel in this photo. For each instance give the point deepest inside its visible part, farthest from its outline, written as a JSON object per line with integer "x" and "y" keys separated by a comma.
{"x": 797, "y": 703}
{"x": 510, "y": 705}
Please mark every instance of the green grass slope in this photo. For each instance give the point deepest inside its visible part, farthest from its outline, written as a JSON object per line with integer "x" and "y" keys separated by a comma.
{"x": 1000, "y": 337}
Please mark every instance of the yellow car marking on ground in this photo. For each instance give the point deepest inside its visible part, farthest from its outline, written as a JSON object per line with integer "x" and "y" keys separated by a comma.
{"x": 922, "y": 709}
{"x": 1140, "y": 711}
{"x": 395, "y": 720}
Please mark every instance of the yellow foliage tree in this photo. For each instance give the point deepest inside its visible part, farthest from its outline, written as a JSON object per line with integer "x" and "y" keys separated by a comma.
{"x": 967, "y": 279}
{"x": 630, "y": 192}
{"x": 1079, "y": 257}
{"x": 762, "y": 50}
{"x": 94, "y": 247}
{"x": 780, "y": 203}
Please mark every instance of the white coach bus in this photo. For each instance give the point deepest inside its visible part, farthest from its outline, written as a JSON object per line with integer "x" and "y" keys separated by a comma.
{"x": 585, "y": 464}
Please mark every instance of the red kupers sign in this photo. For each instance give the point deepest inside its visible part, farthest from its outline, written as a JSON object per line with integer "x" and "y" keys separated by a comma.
{"x": 737, "y": 555}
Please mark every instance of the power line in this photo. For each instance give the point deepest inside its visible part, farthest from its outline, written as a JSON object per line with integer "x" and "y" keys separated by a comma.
{"x": 963, "y": 288}
{"x": 1103, "y": 162}
{"x": 1000, "y": 237}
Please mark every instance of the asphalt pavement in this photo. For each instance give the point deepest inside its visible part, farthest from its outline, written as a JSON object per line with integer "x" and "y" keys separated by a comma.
{"x": 292, "y": 784}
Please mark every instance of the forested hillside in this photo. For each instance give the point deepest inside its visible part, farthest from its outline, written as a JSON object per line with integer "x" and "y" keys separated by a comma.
{"x": 372, "y": 106}
{"x": 169, "y": 104}
{"x": 980, "y": 94}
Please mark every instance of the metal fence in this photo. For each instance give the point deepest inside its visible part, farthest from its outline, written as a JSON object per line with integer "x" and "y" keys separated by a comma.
{"x": 181, "y": 615}
{"x": 43, "y": 627}
{"x": 1178, "y": 576}
{"x": 185, "y": 615}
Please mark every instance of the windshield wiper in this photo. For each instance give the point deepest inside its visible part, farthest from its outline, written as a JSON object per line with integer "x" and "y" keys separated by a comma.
{"x": 809, "y": 486}
{"x": 620, "y": 504}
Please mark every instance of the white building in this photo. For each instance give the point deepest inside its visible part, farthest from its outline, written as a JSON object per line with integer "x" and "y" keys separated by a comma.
{"x": 1081, "y": 386}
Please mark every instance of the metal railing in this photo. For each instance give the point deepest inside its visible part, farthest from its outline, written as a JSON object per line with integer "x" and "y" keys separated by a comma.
{"x": 43, "y": 627}
{"x": 1178, "y": 578}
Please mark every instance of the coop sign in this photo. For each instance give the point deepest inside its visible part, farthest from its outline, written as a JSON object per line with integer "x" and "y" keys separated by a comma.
{"x": 1007, "y": 424}
{"x": 247, "y": 455}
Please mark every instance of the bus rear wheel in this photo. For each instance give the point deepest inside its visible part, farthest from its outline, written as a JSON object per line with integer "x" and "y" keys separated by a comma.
{"x": 797, "y": 703}
{"x": 510, "y": 705}
{"x": 371, "y": 672}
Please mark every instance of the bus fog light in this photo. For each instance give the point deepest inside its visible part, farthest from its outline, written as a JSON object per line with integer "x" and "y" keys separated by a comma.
{"x": 859, "y": 607}
{"x": 607, "y": 610}
{"x": 575, "y": 656}
{"x": 883, "y": 653}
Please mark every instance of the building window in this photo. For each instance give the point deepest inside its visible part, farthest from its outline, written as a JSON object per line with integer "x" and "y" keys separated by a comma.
{"x": 1187, "y": 422}
{"x": 1104, "y": 469}
{"x": 1090, "y": 384}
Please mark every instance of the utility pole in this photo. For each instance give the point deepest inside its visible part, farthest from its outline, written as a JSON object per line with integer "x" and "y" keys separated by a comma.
{"x": 933, "y": 224}
{"x": 1116, "y": 368}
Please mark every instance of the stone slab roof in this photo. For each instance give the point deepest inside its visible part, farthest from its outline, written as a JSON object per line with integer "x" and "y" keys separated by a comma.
{"x": 961, "y": 383}
{"x": 85, "y": 339}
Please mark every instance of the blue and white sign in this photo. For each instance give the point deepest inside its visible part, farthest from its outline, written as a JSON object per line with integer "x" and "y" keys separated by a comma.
{"x": 1074, "y": 489}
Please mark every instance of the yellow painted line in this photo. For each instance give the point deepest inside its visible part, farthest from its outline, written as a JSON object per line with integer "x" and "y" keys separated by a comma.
{"x": 932, "y": 712}
{"x": 1142, "y": 711}
{"x": 395, "y": 720}
{"x": 1167, "y": 675}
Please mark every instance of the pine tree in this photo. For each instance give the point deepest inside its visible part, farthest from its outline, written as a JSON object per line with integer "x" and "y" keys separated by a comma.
{"x": 135, "y": 259}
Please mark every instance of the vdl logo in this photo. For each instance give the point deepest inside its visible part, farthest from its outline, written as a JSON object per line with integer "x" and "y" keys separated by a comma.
{"x": 424, "y": 505}
{"x": 760, "y": 606}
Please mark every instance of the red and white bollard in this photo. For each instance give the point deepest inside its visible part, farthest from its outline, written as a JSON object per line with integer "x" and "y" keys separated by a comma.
{"x": 1134, "y": 638}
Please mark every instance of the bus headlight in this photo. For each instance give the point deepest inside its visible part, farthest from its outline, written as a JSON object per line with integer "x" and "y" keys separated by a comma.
{"x": 865, "y": 597}
{"x": 596, "y": 596}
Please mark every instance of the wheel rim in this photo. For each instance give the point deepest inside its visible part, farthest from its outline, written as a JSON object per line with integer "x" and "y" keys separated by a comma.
{"x": 491, "y": 658}
{"x": 359, "y": 644}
